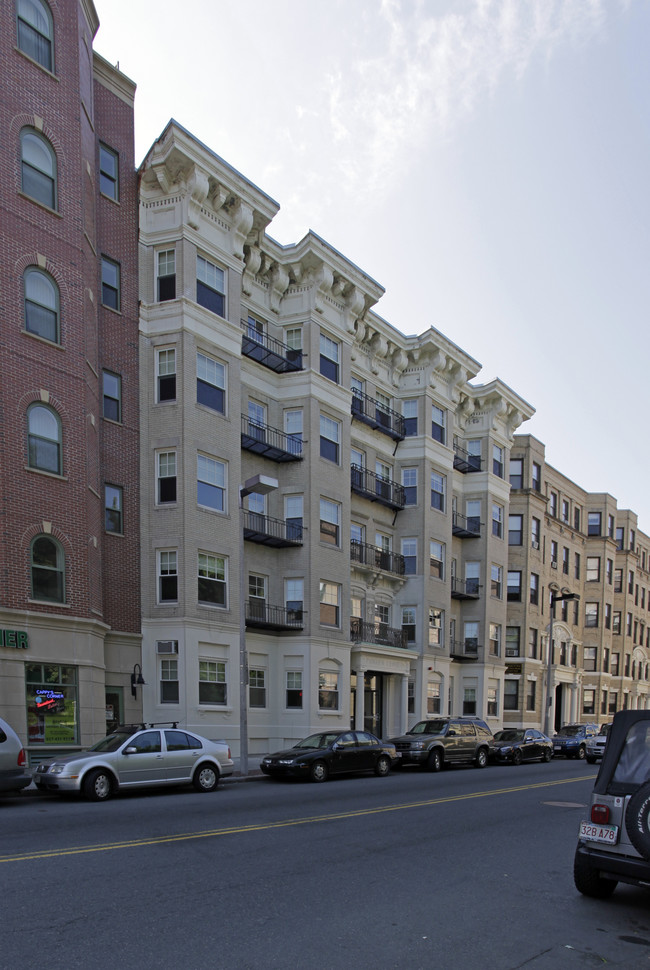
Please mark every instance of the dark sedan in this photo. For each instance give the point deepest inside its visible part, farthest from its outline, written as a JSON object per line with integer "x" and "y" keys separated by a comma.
{"x": 331, "y": 753}
{"x": 515, "y": 745}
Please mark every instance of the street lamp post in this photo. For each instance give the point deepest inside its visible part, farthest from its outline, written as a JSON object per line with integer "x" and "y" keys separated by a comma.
{"x": 260, "y": 485}
{"x": 557, "y": 595}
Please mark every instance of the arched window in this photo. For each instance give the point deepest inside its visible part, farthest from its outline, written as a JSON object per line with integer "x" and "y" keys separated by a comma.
{"x": 35, "y": 31}
{"x": 37, "y": 168}
{"x": 47, "y": 569}
{"x": 41, "y": 305}
{"x": 44, "y": 439}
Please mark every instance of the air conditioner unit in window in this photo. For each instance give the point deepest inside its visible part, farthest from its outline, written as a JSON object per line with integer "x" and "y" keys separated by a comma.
{"x": 166, "y": 646}
{"x": 535, "y": 544}
{"x": 553, "y": 563}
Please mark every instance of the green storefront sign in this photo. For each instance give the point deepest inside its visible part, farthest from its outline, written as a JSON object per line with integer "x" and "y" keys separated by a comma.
{"x": 14, "y": 638}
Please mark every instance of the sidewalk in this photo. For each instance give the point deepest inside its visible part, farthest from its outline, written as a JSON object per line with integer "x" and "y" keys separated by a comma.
{"x": 254, "y": 771}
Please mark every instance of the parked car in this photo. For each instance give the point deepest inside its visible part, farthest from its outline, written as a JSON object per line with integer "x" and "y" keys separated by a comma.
{"x": 135, "y": 756}
{"x": 571, "y": 740}
{"x": 614, "y": 840}
{"x": 331, "y": 753}
{"x": 596, "y": 744}
{"x": 441, "y": 741}
{"x": 14, "y": 775}
{"x": 515, "y": 745}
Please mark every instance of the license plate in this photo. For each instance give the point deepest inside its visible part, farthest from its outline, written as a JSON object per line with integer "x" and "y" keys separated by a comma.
{"x": 599, "y": 833}
{"x": 557, "y": 747}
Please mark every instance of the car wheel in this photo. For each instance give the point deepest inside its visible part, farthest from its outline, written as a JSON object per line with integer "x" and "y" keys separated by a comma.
{"x": 581, "y": 753}
{"x": 98, "y": 785}
{"x": 547, "y": 755}
{"x": 637, "y": 820}
{"x": 517, "y": 757}
{"x": 382, "y": 768}
{"x": 434, "y": 761}
{"x": 318, "y": 771}
{"x": 590, "y": 759}
{"x": 481, "y": 758}
{"x": 589, "y": 882}
{"x": 206, "y": 778}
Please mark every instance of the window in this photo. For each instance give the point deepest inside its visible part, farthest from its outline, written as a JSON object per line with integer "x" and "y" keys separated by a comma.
{"x": 591, "y": 614}
{"x": 552, "y": 504}
{"x": 383, "y": 480}
{"x": 330, "y": 352}
{"x": 256, "y": 688}
{"x": 492, "y": 702}
{"x": 294, "y": 599}
{"x": 112, "y": 388}
{"x": 166, "y": 461}
{"x": 512, "y": 641}
{"x": 576, "y": 571}
{"x": 166, "y": 277}
{"x": 610, "y": 526}
{"x": 514, "y": 586}
{"x": 109, "y": 172}
{"x": 328, "y": 690}
{"x": 470, "y": 636}
{"x": 166, "y": 374}
{"x": 534, "y": 532}
{"x": 294, "y": 689}
{"x": 536, "y": 476}
{"x": 496, "y": 575}
{"x": 330, "y": 522}
{"x": 630, "y": 581}
{"x": 532, "y": 643}
{"x": 516, "y": 473}
{"x": 510, "y": 694}
{"x": 497, "y": 521}
{"x": 168, "y": 681}
{"x": 618, "y": 580}
{"x": 495, "y": 639}
{"x": 408, "y": 623}
{"x": 594, "y": 523}
{"x": 44, "y": 439}
{"x": 588, "y": 700}
{"x": 436, "y": 559}
{"x": 609, "y": 573}
{"x": 433, "y": 698}
{"x": 410, "y": 485}
{"x": 565, "y": 560}
{"x": 330, "y": 603}
{"x": 565, "y": 511}
{"x": 411, "y": 697}
{"x": 47, "y": 564}
{"x": 62, "y": 721}
{"x": 41, "y": 295}
{"x": 167, "y": 576}
{"x": 438, "y": 487}
{"x": 472, "y": 577}
{"x": 473, "y": 514}
{"x": 293, "y": 340}
{"x": 534, "y": 589}
{"x": 593, "y": 569}
{"x": 409, "y": 552}
{"x": 330, "y": 437}
{"x": 616, "y": 623}
{"x": 436, "y": 627}
{"x": 210, "y": 383}
{"x": 410, "y": 413}
{"x": 210, "y": 286}
{"x": 438, "y": 421}
{"x": 590, "y": 658}
{"x": 211, "y": 483}
{"x": 554, "y": 552}
{"x": 469, "y": 701}
{"x": 293, "y": 516}
{"x": 497, "y": 460}
{"x": 576, "y": 518}
{"x": 38, "y": 175}
{"x": 620, "y": 537}
{"x": 113, "y": 514}
{"x": 212, "y": 579}
{"x": 35, "y": 32}
{"x": 110, "y": 283}
{"x": 212, "y": 682}
{"x": 293, "y": 430}
{"x": 613, "y": 702}
{"x": 515, "y": 530}
{"x": 531, "y": 695}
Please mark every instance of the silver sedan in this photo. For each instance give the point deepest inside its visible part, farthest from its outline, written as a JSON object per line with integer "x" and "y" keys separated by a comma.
{"x": 138, "y": 757}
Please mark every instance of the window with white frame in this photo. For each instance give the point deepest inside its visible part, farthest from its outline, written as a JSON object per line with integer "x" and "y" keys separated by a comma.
{"x": 330, "y": 438}
{"x": 438, "y": 424}
{"x": 38, "y": 168}
{"x": 497, "y": 460}
{"x": 294, "y": 599}
{"x": 514, "y": 585}
{"x": 535, "y": 531}
{"x": 473, "y": 577}
{"x": 293, "y": 430}
{"x": 410, "y": 485}
{"x": 513, "y": 645}
{"x": 470, "y": 636}
{"x": 166, "y": 477}
{"x": 111, "y": 396}
{"x": 256, "y": 688}
{"x": 515, "y": 530}
{"x": 536, "y": 476}
{"x": 168, "y": 680}
{"x": 492, "y": 701}
{"x": 410, "y": 414}
{"x": 410, "y": 554}
{"x": 35, "y": 32}
{"x": 330, "y": 603}
{"x": 47, "y": 569}
{"x": 167, "y": 576}
{"x": 497, "y": 520}
{"x": 213, "y": 688}
{"x": 210, "y": 383}
{"x": 111, "y": 286}
{"x": 166, "y": 374}
{"x": 211, "y": 483}
{"x": 588, "y": 700}
{"x": 166, "y": 275}
{"x": 469, "y": 701}
{"x": 41, "y": 305}
{"x": 328, "y": 690}
{"x": 591, "y": 614}
{"x": 293, "y": 512}
{"x": 113, "y": 509}
{"x": 44, "y": 439}
{"x": 436, "y": 626}
{"x": 510, "y": 694}
{"x": 438, "y": 490}
{"x": 211, "y": 579}
{"x": 593, "y": 569}
{"x": 408, "y": 623}
{"x": 495, "y": 639}
{"x": 210, "y": 286}
{"x": 256, "y": 596}
{"x": 436, "y": 559}
{"x": 330, "y": 522}
{"x": 330, "y": 355}
{"x": 294, "y": 689}
{"x": 496, "y": 581}
{"x": 433, "y": 697}
{"x": 590, "y": 658}
{"x": 534, "y": 589}
{"x": 516, "y": 473}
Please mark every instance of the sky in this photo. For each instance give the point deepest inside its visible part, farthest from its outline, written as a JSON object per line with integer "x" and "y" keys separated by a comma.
{"x": 486, "y": 161}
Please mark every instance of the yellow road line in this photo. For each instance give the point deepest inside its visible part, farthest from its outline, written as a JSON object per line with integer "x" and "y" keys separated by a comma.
{"x": 262, "y": 826}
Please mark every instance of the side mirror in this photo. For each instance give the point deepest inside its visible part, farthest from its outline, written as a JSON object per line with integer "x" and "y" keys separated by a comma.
{"x": 451, "y": 733}
{"x": 130, "y": 750}
{"x": 336, "y": 746}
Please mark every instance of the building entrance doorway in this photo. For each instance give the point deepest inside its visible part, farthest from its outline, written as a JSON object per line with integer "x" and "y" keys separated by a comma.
{"x": 114, "y": 708}
{"x": 373, "y": 702}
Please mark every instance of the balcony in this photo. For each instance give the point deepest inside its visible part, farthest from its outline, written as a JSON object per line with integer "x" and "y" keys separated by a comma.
{"x": 376, "y": 488}
{"x": 465, "y": 589}
{"x": 465, "y": 527}
{"x": 268, "y": 351}
{"x": 466, "y": 651}
{"x": 271, "y": 532}
{"x": 378, "y": 416}
{"x": 269, "y": 442}
{"x": 375, "y": 557}
{"x": 264, "y": 616}
{"x": 362, "y": 631}
{"x": 464, "y": 462}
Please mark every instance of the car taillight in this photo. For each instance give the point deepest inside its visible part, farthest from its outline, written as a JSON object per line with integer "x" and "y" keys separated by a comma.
{"x": 22, "y": 760}
{"x": 600, "y": 814}
{"x": 229, "y": 754}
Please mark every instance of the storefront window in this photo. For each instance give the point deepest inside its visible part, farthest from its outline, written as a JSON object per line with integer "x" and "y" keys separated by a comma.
{"x": 52, "y": 704}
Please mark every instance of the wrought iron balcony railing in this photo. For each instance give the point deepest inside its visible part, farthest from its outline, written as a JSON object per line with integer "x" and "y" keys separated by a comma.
{"x": 465, "y": 650}
{"x": 269, "y": 442}
{"x": 363, "y": 631}
{"x": 377, "y": 415}
{"x": 465, "y": 589}
{"x": 268, "y": 351}
{"x": 376, "y": 488}
{"x": 261, "y": 614}
{"x": 271, "y": 532}
{"x": 377, "y": 558}
{"x": 465, "y": 526}
{"x": 464, "y": 462}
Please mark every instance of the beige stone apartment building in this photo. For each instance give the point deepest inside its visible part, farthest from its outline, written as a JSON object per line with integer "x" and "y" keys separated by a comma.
{"x": 370, "y": 576}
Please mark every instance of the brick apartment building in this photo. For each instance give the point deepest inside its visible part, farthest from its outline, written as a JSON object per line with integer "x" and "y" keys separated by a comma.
{"x": 69, "y": 506}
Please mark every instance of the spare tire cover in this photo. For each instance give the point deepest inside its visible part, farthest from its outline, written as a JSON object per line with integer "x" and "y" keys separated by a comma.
{"x": 637, "y": 820}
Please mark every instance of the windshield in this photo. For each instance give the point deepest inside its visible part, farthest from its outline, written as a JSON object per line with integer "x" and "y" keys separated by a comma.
{"x": 570, "y": 731}
{"x": 429, "y": 727}
{"x": 112, "y": 742}
{"x": 317, "y": 741}
{"x": 509, "y": 735}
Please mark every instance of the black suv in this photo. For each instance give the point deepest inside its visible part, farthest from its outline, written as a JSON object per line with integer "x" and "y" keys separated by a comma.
{"x": 444, "y": 740}
{"x": 614, "y": 842}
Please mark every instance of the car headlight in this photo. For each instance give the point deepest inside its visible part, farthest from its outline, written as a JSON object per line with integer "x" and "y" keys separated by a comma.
{"x": 285, "y": 761}
{"x": 506, "y": 750}
{"x": 418, "y": 745}
{"x": 57, "y": 769}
